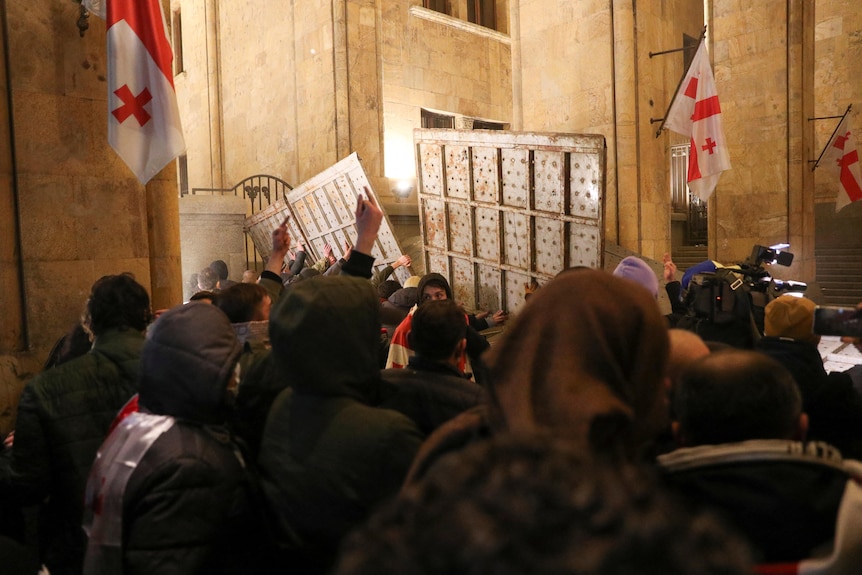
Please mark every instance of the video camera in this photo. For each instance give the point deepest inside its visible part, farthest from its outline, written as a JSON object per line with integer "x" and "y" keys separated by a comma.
{"x": 758, "y": 278}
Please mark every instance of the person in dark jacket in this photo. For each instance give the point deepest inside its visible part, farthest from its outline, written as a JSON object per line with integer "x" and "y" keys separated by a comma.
{"x": 169, "y": 491}
{"x": 328, "y": 457}
{"x": 833, "y": 405}
{"x": 431, "y": 389}
{"x": 64, "y": 414}
{"x": 743, "y": 453}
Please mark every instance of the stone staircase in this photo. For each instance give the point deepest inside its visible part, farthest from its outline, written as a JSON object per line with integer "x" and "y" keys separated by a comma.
{"x": 839, "y": 274}
{"x": 686, "y": 256}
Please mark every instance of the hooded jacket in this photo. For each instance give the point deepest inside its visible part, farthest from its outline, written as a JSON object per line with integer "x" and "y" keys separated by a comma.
{"x": 399, "y": 348}
{"x": 185, "y": 506}
{"x": 327, "y": 456}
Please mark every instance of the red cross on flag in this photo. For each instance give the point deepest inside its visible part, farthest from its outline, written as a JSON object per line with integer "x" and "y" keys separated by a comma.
{"x": 143, "y": 119}
{"x": 695, "y": 112}
{"x": 843, "y": 158}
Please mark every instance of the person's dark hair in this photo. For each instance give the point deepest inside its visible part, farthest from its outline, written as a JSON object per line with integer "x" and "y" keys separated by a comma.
{"x": 239, "y": 301}
{"x": 117, "y": 301}
{"x": 736, "y": 395}
{"x": 532, "y": 504}
{"x": 220, "y": 268}
{"x": 204, "y": 295}
{"x": 387, "y": 288}
{"x": 437, "y": 328}
{"x": 207, "y": 279}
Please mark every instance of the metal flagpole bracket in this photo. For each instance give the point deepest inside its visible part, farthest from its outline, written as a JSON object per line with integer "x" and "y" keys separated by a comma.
{"x": 844, "y": 115}
{"x": 651, "y": 54}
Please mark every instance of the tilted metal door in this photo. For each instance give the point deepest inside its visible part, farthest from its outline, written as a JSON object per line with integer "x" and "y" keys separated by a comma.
{"x": 501, "y": 209}
{"x": 321, "y": 211}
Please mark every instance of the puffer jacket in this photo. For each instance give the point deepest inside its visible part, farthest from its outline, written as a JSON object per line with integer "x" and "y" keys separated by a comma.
{"x": 328, "y": 457}
{"x": 186, "y": 507}
{"x": 63, "y": 415}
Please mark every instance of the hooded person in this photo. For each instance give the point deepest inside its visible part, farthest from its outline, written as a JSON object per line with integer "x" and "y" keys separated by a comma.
{"x": 327, "y": 455}
{"x": 590, "y": 369}
{"x": 168, "y": 490}
{"x": 431, "y": 287}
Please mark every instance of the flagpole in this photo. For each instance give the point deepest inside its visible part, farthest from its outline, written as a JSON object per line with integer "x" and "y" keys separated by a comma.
{"x": 682, "y": 78}
{"x": 829, "y": 141}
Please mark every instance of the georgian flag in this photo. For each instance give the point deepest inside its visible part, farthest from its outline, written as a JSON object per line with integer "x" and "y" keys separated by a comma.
{"x": 143, "y": 119}
{"x": 843, "y": 158}
{"x": 695, "y": 112}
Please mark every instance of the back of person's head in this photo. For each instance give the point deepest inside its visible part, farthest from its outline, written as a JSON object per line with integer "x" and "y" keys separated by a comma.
{"x": 250, "y": 276}
{"x": 387, "y": 288}
{"x": 736, "y": 395}
{"x": 325, "y": 333}
{"x": 243, "y": 302}
{"x": 205, "y": 296}
{"x": 207, "y": 279}
{"x": 436, "y": 281}
{"x": 117, "y": 302}
{"x": 638, "y": 271}
{"x": 586, "y": 357}
{"x": 437, "y": 329}
{"x": 790, "y": 316}
{"x": 685, "y": 347}
{"x": 535, "y": 505}
{"x": 187, "y": 363}
{"x": 220, "y": 268}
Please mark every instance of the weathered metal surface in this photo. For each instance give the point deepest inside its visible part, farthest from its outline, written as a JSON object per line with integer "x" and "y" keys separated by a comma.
{"x": 321, "y": 211}
{"x": 500, "y": 209}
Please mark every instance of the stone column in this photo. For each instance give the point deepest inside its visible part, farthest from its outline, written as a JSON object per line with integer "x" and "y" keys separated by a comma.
{"x": 163, "y": 233}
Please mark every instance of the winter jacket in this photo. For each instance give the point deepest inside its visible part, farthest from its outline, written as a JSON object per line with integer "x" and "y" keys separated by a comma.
{"x": 187, "y": 504}
{"x": 328, "y": 457}
{"x": 428, "y": 392}
{"x": 783, "y": 496}
{"x": 833, "y": 405}
{"x": 63, "y": 415}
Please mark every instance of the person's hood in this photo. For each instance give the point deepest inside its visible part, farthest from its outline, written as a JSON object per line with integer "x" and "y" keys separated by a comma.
{"x": 188, "y": 359}
{"x": 585, "y": 356}
{"x": 325, "y": 334}
{"x": 405, "y": 297}
{"x": 433, "y": 278}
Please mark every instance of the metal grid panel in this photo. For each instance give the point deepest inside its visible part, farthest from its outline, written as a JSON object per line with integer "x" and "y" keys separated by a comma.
{"x": 500, "y": 209}
{"x": 321, "y": 211}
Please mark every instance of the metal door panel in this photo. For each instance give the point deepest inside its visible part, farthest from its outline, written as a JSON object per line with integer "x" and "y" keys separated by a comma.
{"x": 501, "y": 209}
{"x": 321, "y": 211}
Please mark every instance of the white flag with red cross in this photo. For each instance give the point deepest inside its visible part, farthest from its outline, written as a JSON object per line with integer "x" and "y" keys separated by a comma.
{"x": 842, "y": 157}
{"x": 143, "y": 119}
{"x": 696, "y": 113}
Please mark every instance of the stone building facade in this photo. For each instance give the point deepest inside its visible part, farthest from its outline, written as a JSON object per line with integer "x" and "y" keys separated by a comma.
{"x": 289, "y": 87}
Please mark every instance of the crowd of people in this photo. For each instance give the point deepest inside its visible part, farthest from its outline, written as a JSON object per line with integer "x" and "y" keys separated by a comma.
{"x": 340, "y": 422}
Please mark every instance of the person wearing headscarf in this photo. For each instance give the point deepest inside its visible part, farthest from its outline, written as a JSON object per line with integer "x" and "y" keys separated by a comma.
{"x": 585, "y": 359}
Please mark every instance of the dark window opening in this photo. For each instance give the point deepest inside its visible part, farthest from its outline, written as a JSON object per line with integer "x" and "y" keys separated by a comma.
{"x": 434, "y": 120}
{"x": 177, "y": 33}
{"x": 436, "y": 5}
{"x": 183, "y": 176}
{"x": 481, "y": 12}
{"x": 482, "y": 125}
